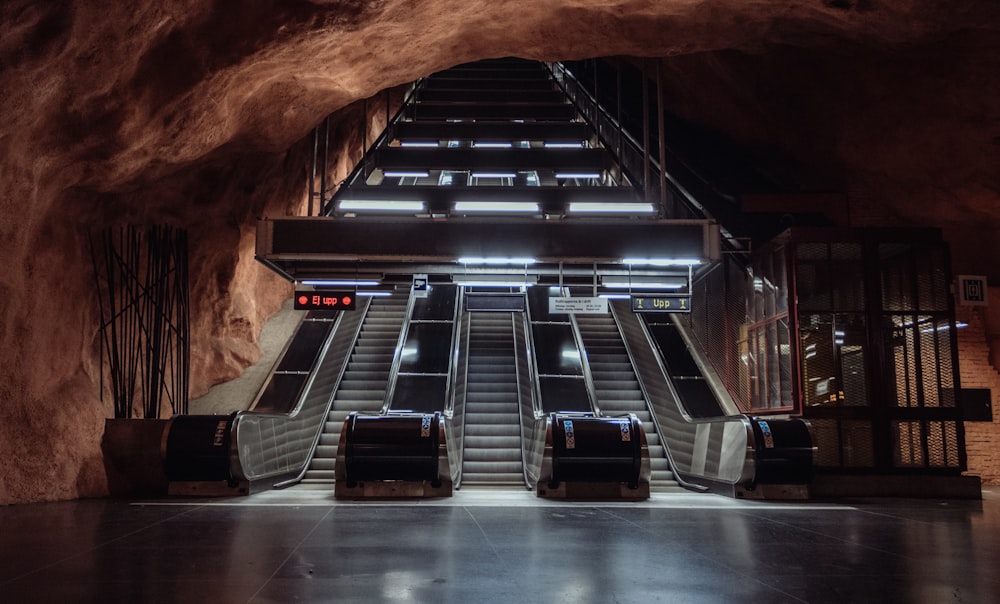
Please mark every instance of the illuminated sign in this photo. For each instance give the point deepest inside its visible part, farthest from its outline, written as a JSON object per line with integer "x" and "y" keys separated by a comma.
{"x": 662, "y": 303}
{"x": 325, "y": 300}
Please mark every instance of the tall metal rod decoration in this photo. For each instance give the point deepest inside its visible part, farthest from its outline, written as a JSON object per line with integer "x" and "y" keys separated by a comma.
{"x": 142, "y": 289}
{"x": 645, "y": 132}
{"x": 312, "y": 174}
{"x": 663, "y": 144}
{"x": 326, "y": 161}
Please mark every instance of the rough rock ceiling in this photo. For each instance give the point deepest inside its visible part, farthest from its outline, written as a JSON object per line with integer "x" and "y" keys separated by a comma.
{"x": 194, "y": 114}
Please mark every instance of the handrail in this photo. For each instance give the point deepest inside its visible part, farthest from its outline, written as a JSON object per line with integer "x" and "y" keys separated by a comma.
{"x": 588, "y": 376}
{"x": 659, "y": 430}
{"x": 536, "y": 388}
{"x": 449, "y": 396}
{"x": 333, "y": 393}
{"x": 458, "y": 448}
{"x": 558, "y": 69}
{"x": 746, "y": 471}
{"x": 520, "y": 402}
{"x": 531, "y": 451}
{"x": 265, "y": 427}
{"x": 397, "y": 356}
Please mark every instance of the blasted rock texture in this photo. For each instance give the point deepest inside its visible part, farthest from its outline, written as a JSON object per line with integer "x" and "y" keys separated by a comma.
{"x": 197, "y": 115}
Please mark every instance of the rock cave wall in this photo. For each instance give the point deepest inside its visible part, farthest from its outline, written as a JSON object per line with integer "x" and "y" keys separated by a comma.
{"x": 197, "y": 115}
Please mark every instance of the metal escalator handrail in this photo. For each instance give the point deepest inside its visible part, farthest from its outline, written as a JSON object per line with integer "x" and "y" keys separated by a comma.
{"x": 333, "y": 393}
{"x": 529, "y": 456}
{"x": 588, "y": 376}
{"x": 237, "y": 466}
{"x": 520, "y": 402}
{"x": 449, "y": 397}
{"x": 666, "y": 444}
{"x": 466, "y": 330}
{"x": 536, "y": 388}
{"x": 557, "y": 69}
{"x": 397, "y": 356}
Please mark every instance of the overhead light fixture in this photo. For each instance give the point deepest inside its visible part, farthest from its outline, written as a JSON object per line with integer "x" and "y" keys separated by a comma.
{"x": 418, "y": 144}
{"x": 563, "y": 145}
{"x": 496, "y": 206}
{"x": 663, "y": 261}
{"x": 478, "y": 145}
{"x": 496, "y": 282}
{"x": 609, "y": 296}
{"x": 340, "y": 282}
{"x": 495, "y": 260}
{"x": 381, "y": 205}
{"x": 634, "y": 283}
{"x": 593, "y": 207}
{"x": 578, "y": 174}
{"x": 494, "y": 174}
{"x": 372, "y": 294}
{"x": 407, "y": 174}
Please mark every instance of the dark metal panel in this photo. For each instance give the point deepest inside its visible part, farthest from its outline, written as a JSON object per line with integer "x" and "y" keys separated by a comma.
{"x": 488, "y": 83}
{"x": 577, "y": 160}
{"x": 441, "y": 199}
{"x": 416, "y": 240}
{"x": 490, "y": 96}
{"x": 493, "y": 112}
{"x": 527, "y": 131}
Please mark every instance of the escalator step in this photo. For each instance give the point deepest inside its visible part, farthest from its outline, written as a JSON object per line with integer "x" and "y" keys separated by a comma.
{"x": 475, "y": 454}
{"x": 499, "y": 429}
{"x": 493, "y": 478}
{"x": 323, "y": 463}
{"x": 513, "y": 467}
{"x": 325, "y": 452}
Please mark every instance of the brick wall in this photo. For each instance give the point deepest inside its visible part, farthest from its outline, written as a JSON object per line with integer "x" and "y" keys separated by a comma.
{"x": 978, "y": 369}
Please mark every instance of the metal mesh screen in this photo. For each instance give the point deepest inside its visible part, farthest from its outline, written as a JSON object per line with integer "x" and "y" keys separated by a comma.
{"x": 843, "y": 443}
{"x": 926, "y": 444}
{"x": 717, "y": 317}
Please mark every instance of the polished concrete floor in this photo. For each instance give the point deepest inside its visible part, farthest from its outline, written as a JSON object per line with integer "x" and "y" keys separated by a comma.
{"x": 500, "y": 546}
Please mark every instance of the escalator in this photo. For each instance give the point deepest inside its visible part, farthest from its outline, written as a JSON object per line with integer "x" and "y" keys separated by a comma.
{"x": 492, "y": 435}
{"x": 618, "y": 391}
{"x": 362, "y": 387}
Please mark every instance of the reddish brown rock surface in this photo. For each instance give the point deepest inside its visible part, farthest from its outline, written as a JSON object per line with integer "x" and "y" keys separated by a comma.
{"x": 194, "y": 114}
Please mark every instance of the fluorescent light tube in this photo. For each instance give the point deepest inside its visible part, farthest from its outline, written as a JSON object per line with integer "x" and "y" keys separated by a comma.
{"x": 496, "y": 206}
{"x": 633, "y": 285}
{"x": 479, "y": 260}
{"x": 386, "y": 205}
{"x": 610, "y": 208}
{"x": 494, "y": 174}
{"x": 418, "y": 144}
{"x": 340, "y": 282}
{"x": 663, "y": 261}
{"x": 578, "y": 174}
{"x": 563, "y": 145}
{"x": 476, "y": 145}
{"x": 407, "y": 174}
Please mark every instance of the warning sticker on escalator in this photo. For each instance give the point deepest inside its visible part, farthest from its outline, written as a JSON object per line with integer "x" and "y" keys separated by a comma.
{"x": 626, "y": 433}
{"x": 765, "y": 430}
{"x": 570, "y": 435}
{"x": 425, "y": 426}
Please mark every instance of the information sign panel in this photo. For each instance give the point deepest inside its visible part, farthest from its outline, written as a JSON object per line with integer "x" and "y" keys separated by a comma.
{"x": 662, "y": 303}
{"x": 581, "y": 306}
{"x": 325, "y": 300}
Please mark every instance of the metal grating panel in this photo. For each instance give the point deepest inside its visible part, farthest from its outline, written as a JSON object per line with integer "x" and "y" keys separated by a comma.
{"x": 843, "y": 443}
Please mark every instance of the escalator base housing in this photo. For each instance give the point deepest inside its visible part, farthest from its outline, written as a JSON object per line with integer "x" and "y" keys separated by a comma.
{"x": 593, "y": 490}
{"x": 392, "y": 489}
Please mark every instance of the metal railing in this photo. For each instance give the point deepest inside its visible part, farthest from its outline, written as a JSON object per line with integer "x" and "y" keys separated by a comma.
{"x": 271, "y": 445}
